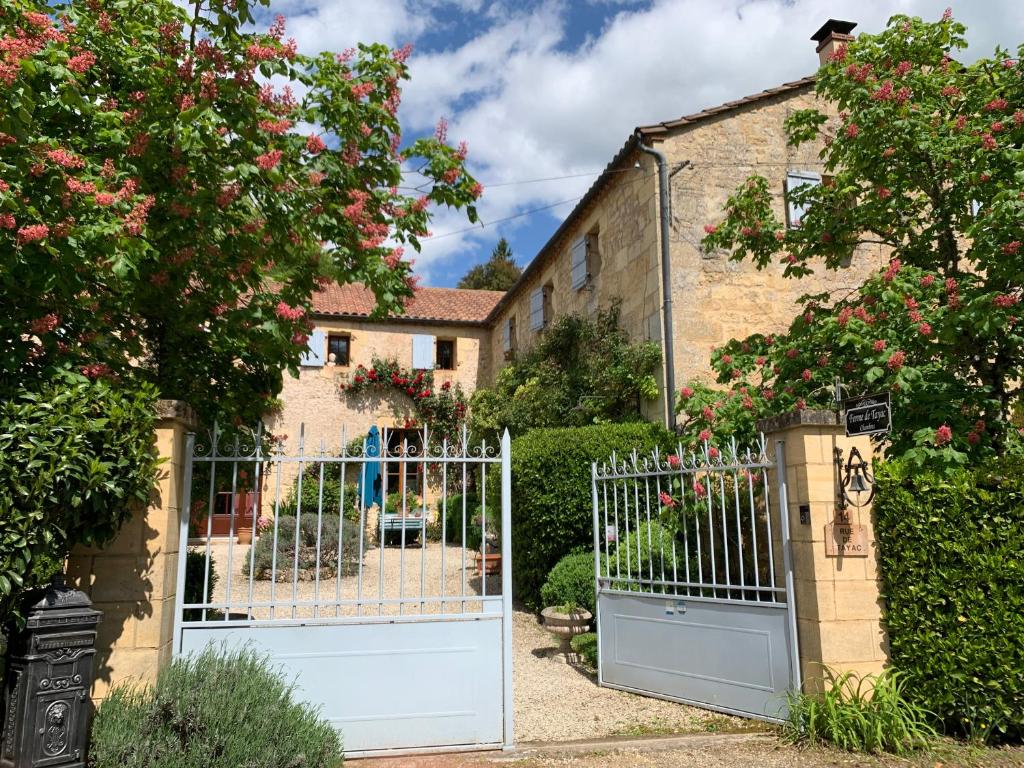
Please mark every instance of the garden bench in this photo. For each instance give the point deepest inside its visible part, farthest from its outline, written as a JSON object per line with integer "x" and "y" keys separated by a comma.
{"x": 394, "y": 524}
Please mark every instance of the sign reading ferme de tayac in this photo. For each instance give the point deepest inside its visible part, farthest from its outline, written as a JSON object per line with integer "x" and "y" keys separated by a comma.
{"x": 867, "y": 415}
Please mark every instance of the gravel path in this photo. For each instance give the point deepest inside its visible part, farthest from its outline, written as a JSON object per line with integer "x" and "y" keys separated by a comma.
{"x": 554, "y": 700}
{"x": 558, "y": 701}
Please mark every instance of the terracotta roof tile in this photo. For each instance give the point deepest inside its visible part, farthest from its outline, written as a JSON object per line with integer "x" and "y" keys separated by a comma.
{"x": 445, "y": 305}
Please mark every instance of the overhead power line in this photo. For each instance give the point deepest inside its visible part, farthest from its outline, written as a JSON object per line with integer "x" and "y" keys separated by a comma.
{"x": 483, "y": 225}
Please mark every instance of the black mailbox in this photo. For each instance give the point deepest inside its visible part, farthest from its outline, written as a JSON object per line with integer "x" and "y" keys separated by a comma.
{"x": 47, "y": 682}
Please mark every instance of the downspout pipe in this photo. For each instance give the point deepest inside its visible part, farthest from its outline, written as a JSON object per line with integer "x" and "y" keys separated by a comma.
{"x": 664, "y": 201}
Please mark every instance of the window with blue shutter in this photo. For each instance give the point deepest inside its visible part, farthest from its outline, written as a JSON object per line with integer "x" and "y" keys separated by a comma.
{"x": 794, "y": 181}
{"x": 578, "y": 262}
{"x": 537, "y": 310}
{"x": 422, "y": 352}
{"x": 313, "y": 357}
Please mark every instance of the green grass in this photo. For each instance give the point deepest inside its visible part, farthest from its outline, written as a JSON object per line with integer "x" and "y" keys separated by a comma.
{"x": 860, "y": 714}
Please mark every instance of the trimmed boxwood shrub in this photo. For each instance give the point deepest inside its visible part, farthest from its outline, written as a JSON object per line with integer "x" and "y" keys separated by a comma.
{"x": 551, "y": 494}
{"x": 571, "y": 581}
{"x": 953, "y": 577}
{"x": 219, "y": 709}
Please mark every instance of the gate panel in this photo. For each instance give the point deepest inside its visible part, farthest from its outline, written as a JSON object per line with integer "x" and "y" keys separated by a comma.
{"x": 382, "y": 614}
{"x": 388, "y": 686}
{"x": 694, "y": 579}
{"x": 731, "y": 657}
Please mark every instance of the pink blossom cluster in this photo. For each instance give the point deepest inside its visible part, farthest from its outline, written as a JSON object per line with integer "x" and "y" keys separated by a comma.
{"x": 32, "y": 232}
{"x": 64, "y": 158}
{"x": 44, "y": 324}
{"x": 286, "y": 312}
{"x": 276, "y": 127}
{"x": 96, "y": 370}
{"x": 315, "y": 145}
{"x": 269, "y": 159}
{"x": 943, "y": 435}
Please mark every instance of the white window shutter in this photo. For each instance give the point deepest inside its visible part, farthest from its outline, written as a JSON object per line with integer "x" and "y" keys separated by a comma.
{"x": 794, "y": 180}
{"x": 422, "y": 352}
{"x": 506, "y": 335}
{"x": 578, "y": 261}
{"x": 313, "y": 357}
{"x": 537, "y": 309}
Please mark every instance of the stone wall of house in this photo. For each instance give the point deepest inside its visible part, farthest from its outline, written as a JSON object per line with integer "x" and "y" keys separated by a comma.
{"x": 716, "y": 299}
{"x": 314, "y": 403}
{"x": 623, "y": 220}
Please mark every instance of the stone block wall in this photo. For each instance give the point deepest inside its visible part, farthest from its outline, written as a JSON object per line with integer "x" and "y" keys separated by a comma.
{"x": 838, "y": 597}
{"x": 133, "y": 580}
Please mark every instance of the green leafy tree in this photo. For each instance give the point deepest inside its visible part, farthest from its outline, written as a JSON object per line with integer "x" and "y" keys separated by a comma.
{"x": 167, "y": 208}
{"x": 925, "y": 160}
{"x": 581, "y": 371}
{"x": 498, "y": 273}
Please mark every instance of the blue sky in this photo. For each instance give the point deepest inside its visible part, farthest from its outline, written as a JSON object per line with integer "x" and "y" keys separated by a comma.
{"x": 548, "y": 89}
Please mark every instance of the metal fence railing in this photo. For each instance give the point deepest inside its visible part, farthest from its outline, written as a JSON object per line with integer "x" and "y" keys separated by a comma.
{"x": 388, "y": 526}
{"x": 697, "y": 524}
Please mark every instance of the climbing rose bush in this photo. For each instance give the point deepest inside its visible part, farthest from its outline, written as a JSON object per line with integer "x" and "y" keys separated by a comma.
{"x": 925, "y": 161}
{"x": 174, "y": 187}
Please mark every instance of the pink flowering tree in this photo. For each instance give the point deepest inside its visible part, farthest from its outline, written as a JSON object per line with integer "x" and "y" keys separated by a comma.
{"x": 168, "y": 207}
{"x": 924, "y": 162}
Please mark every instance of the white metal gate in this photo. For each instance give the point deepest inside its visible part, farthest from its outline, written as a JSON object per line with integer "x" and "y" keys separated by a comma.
{"x": 395, "y": 635}
{"x": 693, "y": 603}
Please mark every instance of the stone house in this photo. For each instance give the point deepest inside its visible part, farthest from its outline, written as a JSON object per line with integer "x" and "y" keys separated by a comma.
{"x": 442, "y": 329}
{"x": 608, "y": 248}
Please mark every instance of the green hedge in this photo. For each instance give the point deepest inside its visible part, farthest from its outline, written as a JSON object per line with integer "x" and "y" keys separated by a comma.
{"x": 551, "y": 493}
{"x": 76, "y": 458}
{"x": 950, "y": 548}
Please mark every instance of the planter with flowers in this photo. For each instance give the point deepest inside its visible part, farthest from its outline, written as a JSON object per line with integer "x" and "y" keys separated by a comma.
{"x": 442, "y": 409}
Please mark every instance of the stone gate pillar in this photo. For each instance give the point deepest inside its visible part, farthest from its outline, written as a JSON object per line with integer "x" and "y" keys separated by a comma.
{"x": 133, "y": 579}
{"x": 835, "y": 566}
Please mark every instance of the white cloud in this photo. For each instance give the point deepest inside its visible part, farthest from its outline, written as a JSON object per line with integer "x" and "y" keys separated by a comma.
{"x": 530, "y": 108}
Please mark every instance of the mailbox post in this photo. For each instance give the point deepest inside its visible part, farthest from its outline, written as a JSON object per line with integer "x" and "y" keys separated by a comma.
{"x": 47, "y": 682}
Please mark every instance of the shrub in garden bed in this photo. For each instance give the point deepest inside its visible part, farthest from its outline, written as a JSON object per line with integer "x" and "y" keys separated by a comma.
{"x": 311, "y": 496}
{"x": 551, "y": 493}
{"x": 327, "y": 527}
{"x": 860, "y": 714}
{"x": 196, "y": 572}
{"x": 571, "y": 582}
{"x": 219, "y": 709}
{"x": 586, "y": 646}
{"x": 949, "y": 546}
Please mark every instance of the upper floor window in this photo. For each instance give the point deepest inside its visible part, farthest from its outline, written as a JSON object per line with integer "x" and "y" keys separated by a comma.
{"x": 338, "y": 348}
{"x": 445, "y": 355}
{"x": 584, "y": 257}
{"x": 540, "y": 307}
{"x": 795, "y": 212}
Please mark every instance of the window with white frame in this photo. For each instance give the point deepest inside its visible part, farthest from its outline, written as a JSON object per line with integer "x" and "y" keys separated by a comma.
{"x": 795, "y": 180}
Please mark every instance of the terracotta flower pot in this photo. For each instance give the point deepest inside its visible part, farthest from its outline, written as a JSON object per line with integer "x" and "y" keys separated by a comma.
{"x": 245, "y": 535}
{"x": 491, "y": 566}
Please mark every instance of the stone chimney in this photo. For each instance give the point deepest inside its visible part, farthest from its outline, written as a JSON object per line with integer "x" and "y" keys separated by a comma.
{"x": 832, "y": 34}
